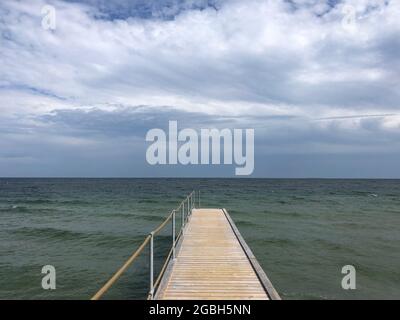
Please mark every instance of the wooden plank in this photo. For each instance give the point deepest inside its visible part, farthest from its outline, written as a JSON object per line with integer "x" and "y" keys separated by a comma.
{"x": 211, "y": 263}
{"x": 272, "y": 293}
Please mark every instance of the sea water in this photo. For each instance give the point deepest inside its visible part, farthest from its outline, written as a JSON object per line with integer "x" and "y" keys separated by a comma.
{"x": 301, "y": 231}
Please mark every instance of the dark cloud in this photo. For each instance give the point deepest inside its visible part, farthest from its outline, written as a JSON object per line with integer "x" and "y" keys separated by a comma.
{"x": 129, "y": 121}
{"x": 272, "y": 131}
{"x": 147, "y": 9}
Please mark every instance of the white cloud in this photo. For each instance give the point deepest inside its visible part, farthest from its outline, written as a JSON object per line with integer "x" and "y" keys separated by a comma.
{"x": 250, "y": 52}
{"x": 248, "y": 58}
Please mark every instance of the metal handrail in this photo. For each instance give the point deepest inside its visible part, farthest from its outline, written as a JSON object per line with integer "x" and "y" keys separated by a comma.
{"x": 190, "y": 201}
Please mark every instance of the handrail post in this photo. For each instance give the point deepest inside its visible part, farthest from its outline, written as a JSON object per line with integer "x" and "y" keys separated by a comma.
{"x": 173, "y": 234}
{"x": 151, "y": 293}
{"x": 183, "y": 216}
{"x": 199, "y": 199}
{"x": 188, "y": 205}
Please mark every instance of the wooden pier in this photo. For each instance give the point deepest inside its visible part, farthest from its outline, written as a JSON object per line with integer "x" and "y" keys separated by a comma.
{"x": 211, "y": 263}
{"x": 209, "y": 259}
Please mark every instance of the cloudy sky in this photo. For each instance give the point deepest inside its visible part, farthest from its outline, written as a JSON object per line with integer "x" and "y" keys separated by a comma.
{"x": 319, "y": 81}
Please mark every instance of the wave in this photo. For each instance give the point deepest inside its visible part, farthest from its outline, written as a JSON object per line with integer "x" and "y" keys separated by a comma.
{"x": 15, "y": 208}
{"x": 97, "y": 239}
{"x": 74, "y": 202}
{"x": 294, "y": 197}
{"x": 244, "y": 223}
{"x": 148, "y": 201}
{"x": 26, "y": 205}
{"x": 109, "y": 241}
{"x": 22, "y": 209}
{"x": 283, "y": 214}
{"x": 133, "y": 216}
{"x": 272, "y": 240}
{"x": 362, "y": 193}
{"x": 148, "y": 217}
{"x": 39, "y": 201}
{"x": 50, "y": 233}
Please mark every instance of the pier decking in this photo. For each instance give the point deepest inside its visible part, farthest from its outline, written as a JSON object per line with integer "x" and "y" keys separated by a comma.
{"x": 209, "y": 259}
{"x": 210, "y": 263}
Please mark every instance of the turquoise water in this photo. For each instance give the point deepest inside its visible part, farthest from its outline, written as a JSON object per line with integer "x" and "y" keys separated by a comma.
{"x": 301, "y": 231}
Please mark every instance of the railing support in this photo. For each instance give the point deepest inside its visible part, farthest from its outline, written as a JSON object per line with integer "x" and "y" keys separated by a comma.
{"x": 151, "y": 292}
{"x": 173, "y": 234}
{"x": 188, "y": 206}
{"x": 192, "y": 202}
{"x": 183, "y": 216}
{"x": 199, "y": 199}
